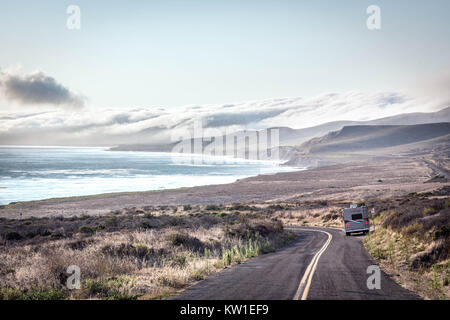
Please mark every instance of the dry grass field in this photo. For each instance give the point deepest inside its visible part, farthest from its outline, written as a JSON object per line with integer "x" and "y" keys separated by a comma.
{"x": 133, "y": 253}
{"x": 148, "y": 251}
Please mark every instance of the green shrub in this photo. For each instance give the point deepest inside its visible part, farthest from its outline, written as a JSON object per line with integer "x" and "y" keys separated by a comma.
{"x": 33, "y": 294}
{"x": 242, "y": 207}
{"x": 246, "y": 230}
{"x": 57, "y": 235}
{"x": 45, "y": 233}
{"x": 330, "y": 216}
{"x": 99, "y": 227}
{"x": 13, "y": 236}
{"x": 138, "y": 250}
{"x": 277, "y": 207}
{"x": 442, "y": 232}
{"x": 218, "y": 214}
{"x": 146, "y": 225}
{"x": 267, "y": 247}
{"x": 179, "y": 261}
{"x": 86, "y": 230}
{"x": 31, "y": 234}
{"x": 379, "y": 253}
{"x": 115, "y": 288}
{"x": 213, "y": 207}
{"x": 112, "y": 221}
{"x": 412, "y": 230}
{"x": 182, "y": 239}
{"x": 199, "y": 274}
{"x": 226, "y": 258}
{"x": 428, "y": 211}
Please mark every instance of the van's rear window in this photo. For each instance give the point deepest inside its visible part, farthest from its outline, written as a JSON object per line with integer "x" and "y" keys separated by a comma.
{"x": 356, "y": 216}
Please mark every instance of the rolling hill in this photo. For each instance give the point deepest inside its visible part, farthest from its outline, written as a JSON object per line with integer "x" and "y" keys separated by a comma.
{"x": 289, "y": 137}
{"x": 362, "y": 138}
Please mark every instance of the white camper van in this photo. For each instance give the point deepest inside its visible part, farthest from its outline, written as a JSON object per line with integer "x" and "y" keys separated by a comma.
{"x": 356, "y": 219}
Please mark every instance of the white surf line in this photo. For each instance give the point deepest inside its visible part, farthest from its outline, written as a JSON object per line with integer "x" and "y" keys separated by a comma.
{"x": 305, "y": 283}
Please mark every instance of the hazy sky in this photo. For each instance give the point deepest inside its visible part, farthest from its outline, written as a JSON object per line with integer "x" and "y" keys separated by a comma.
{"x": 138, "y": 71}
{"x": 171, "y": 53}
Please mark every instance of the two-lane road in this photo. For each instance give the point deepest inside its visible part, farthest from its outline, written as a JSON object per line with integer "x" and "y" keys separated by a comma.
{"x": 320, "y": 264}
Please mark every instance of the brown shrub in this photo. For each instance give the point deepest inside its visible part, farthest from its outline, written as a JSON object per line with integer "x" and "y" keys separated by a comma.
{"x": 439, "y": 252}
{"x": 183, "y": 239}
{"x": 249, "y": 230}
{"x": 140, "y": 251}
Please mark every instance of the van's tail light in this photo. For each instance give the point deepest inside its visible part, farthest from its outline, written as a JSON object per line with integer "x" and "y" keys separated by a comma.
{"x": 367, "y": 222}
{"x": 346, "y": 224}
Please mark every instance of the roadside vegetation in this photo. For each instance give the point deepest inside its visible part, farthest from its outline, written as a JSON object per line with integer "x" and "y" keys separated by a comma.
{"x": 318, "y": 213}
{"x": 137, "y": 253}
{"x": 157, "y": 251}
{"x": 412, "y": 242}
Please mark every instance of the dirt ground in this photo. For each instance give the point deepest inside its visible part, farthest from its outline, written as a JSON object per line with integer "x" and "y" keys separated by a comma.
{"x": 356, "y": 181}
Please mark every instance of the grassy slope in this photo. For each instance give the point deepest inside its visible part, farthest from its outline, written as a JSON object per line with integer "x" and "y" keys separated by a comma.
{"x": 412, "y": 243}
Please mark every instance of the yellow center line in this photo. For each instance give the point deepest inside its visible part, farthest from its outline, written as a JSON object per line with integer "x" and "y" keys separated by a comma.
{"x": 305, "y": 283}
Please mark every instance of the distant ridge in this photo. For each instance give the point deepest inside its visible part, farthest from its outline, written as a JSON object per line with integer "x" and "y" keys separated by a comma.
{"x": 368, "y": 137}
{"x": 296, "y": 137}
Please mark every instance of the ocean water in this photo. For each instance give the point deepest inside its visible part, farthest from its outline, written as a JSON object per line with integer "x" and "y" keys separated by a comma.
{"x": 33, "y": 173}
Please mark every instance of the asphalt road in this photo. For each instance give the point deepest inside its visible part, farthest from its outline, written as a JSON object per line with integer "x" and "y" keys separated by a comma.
{"x": 320, "y": 264}
{"x": 438, "y": 169}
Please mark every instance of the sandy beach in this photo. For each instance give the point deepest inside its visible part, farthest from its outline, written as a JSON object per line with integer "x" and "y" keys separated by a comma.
{"x": 357, "y": 181}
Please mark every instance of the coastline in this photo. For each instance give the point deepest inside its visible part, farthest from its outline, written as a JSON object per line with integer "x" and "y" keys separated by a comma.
{"x": 131, "y": 193}
{"x": 163, "y": 171}
{"x": 371, "y": 179}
